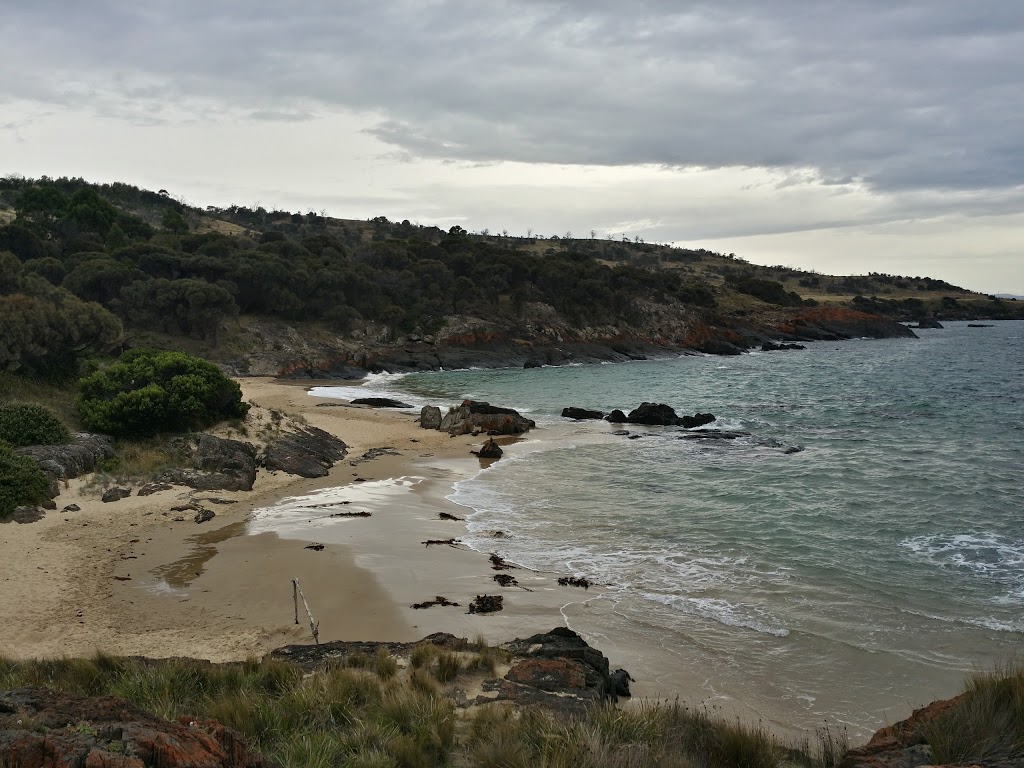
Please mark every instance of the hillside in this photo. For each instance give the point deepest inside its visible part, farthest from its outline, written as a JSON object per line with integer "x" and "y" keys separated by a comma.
{"x": 90, "y": 268}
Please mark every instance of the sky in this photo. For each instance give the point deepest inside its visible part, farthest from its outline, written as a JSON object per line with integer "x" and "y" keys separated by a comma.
{"x": 843, "y": 136}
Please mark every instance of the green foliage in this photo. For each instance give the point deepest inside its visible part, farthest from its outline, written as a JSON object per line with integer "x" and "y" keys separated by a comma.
{"x": 147, "y": 392}
{"x": 174, "y": 222}
{"x": 48, "y": 334}
{"x": 21, "y": 481}
{"x": 769, "y": 291}
{"x": 31, "y": 424}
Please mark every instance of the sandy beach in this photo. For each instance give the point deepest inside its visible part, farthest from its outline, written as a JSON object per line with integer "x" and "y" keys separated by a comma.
{"x": 127, "y": 578}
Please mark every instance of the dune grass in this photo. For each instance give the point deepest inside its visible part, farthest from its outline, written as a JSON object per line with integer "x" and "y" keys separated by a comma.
{"x": 987, "y": 724}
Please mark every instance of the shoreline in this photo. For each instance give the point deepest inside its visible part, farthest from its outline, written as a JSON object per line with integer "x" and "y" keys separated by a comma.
{"x": 126, "y": 578}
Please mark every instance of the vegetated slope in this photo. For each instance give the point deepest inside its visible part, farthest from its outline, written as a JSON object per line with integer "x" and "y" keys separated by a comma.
{"x": 273, "y": 292}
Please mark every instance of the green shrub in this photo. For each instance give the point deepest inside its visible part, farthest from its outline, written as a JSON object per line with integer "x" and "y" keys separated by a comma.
{"x": 31, "y": 424}
{"x": 147, "y": 392}
{"x": 21, "y": 481}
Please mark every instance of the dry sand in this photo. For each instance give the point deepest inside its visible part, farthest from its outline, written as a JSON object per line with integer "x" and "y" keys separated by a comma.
{"x": 127, "y": 578}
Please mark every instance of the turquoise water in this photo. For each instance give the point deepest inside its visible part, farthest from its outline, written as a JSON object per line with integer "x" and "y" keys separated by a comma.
{"x": 849, "y": 581}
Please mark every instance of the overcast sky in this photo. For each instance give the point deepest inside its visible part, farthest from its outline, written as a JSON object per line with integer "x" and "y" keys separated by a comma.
{"x": 843, "y": 136}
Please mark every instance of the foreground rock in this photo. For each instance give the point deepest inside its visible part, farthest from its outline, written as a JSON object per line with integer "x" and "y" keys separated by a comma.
{"x": 72, "y": 731}
{"x": 218, "y": 464}
{"x": 476, "y": 417}
{"x": 557, "y": 670}
{"x": 902, "y": 745}
{"x": 306, "y": 452}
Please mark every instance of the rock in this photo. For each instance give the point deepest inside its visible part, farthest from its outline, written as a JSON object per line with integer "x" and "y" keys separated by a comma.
{"x": 115, "y": 494}
{"x": 980, "y": 325}
{"x": 656, "y": 414}
{"x": 447, "y": 516}
{"x": 712, "y": 434}
{"x": 150, "y": 488}
{"x": 72, "y": 508}
{"x": 616, "y": 417}
{"x": 697, "y": 420}
{"x": 107, "y": 732}
{"x": 306, "y": 452}
{"x": 25, "y": 514}
{"x": 618, "y": 684}
{"x": 621, "y": 432}
{"x": 204, "y": 515}
{"x": 48, "y": 504}
{"x": 927, "y": 322}
{"x": 76, "y": 458}
{"x": 580, "y": 414}
{"x": 380, "y": 402}
{"x": 430, "y": 417}
{"x": 218, "y": 464}
{"x": 315, "y": 547}
{"x": 473, "y": 416}
{"x": 533, "y": 362}
{"x": 901, "y": 745}
{"x": 552, "y": 675}
{"x": 489, "y": 450}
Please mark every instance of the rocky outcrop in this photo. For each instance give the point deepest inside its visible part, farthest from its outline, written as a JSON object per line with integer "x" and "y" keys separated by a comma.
{"x": 837, "y": 323}
{"x": 380, "y": 402}
{"x": 557, "y": 670}
{"x": 430, "y": 417}
{"x": 902, "y": 745}
{"x": 475, "y": 417}
{"x": 306, "y": 451}
{"x": 81, "y": 455}
{"x": 218, "y": 464}
{"x": 771, "y": 346}
{"x": 616, "y": 417}
{"x": 107, "y": 732}
{"x": 659, "y": 414}
{"x": 581, "y": 413}
{"x": 928, "y": 322}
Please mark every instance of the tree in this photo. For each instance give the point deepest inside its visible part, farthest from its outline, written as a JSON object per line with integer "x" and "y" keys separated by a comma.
{"x": 147, "y": 392}
{"x": 174, "y": 222}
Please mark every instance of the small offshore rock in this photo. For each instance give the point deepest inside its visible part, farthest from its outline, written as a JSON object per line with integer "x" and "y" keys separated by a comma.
{"x": 581, "y": 413}
{"x": 489, "y": 450}
{"x": 616, "y": 417}
{"x": 115, "y": 494}
{"x": 204, "y": 515}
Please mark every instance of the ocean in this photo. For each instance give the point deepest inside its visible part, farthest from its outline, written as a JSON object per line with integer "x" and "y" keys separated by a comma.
{"x": 857, "y": 553}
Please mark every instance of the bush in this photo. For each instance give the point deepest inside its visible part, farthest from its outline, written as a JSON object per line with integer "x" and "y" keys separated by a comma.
{"x": 147, "y": 392}
{"x": 21, "y": 481}
{"x": 31, "y": 424}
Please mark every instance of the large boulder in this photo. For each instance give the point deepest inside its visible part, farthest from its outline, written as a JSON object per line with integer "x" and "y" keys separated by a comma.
{"x": 580, "y": 413}
{"x": 80, "y": 456}
{"x": 474, "y": 416}
{"x": 489, "y": 450}
{"x": 616, "y": 417}
{"x": 654, "y": 414}
{"x": 430, "y": 417}
{"x": 306, "y": 452}
{"x": 106, "y": 732}
{"x": 218, "y": 464}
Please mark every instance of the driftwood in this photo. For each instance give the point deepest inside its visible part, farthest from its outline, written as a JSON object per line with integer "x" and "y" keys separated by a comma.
{"x": 449, "y": 542}
{"x": 314, "y": 626}
{"x": 352, "y": 514}
{"x": 315, "y": 548}
{"x": 447, "y": 516}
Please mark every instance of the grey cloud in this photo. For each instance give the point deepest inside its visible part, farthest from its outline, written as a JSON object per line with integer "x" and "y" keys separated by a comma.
{"x": 904, "y": 95}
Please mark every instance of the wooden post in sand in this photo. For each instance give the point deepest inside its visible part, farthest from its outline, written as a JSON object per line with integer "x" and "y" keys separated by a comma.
{"x": 314, "y": 626}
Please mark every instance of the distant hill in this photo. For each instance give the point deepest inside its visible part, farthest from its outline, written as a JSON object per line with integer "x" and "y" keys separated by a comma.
{"x": 277, "y": 290}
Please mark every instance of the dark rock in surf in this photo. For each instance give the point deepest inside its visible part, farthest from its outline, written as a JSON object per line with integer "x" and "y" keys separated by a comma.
{"x": 616, "y": 417}
{"x": 581, "y": 413}
{"x": 489, "y": 450}
{"x": 653, "y": 414}
{"x": 697, "y": 420}
{"x": 770, "y": 346}
{"x": 474, "y": 416}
